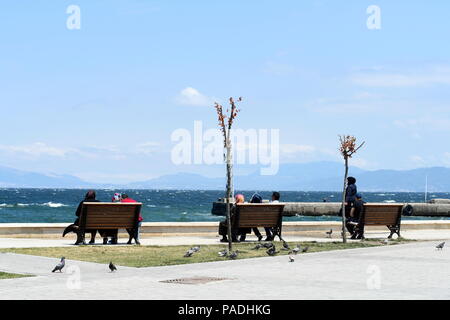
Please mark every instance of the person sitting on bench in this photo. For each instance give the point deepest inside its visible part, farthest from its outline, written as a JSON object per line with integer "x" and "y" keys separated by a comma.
{"x": 269, "y": 232}
{"x": 223, "y": 225}
{"x": 355, "y": 224}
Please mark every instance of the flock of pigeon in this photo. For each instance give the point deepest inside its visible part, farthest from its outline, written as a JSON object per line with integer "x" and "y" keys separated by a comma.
{"x": 62, "y": 263}
{"x": 271, "y": 251}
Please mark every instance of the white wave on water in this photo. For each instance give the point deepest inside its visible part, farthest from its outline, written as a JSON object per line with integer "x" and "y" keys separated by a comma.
{"x": 46, "y": 204}
{"x": 54, "y": 205}
{"x": 389, "y": 201}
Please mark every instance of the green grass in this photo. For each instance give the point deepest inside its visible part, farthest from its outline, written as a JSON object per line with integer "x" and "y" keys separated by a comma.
{"x": 147, "y": 256}
{"x": 5, "y": 275}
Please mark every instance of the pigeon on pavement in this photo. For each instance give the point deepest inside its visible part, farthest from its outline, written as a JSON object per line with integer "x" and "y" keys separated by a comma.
{"x": 291, "y": 259}
{"x": 112, "y": 267}
{"x": 305, "y": 249}
{"x": 440, "y": 246}
{"x": 60, "y": 265}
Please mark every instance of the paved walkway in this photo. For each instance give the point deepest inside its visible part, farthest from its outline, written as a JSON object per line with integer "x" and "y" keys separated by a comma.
{"x": 408, "y": 271}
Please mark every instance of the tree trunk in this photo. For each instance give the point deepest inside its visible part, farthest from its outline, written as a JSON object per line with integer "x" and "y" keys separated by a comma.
{"x": 229, "y": 193}
{"x": 344, "y": 235}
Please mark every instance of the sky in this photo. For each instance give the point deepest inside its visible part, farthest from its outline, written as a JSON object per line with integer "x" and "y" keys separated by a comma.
{"x": 102, "y": 101}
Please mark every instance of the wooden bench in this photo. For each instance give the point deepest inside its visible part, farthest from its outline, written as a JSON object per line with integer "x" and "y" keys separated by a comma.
{"x": 384, "y": 215}
{"x": 108, "y": 215}
{"x": 253, "y": 215}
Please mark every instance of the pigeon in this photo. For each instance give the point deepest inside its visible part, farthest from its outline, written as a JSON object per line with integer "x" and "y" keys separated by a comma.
{"x": 440, "y": 245}
{"x": 196, "y": 249}
{"x": 385, "y": 241}
{"x": 305, "y": 249}
{"x": 223, "y": 253}
{"x": 189, "y": 253}
{"x": 329, "y": 233}
{"x": 295, "y": 250}
{"x": 112, "y": 267}
{"x": 258, "y": 246}
{"x": 291, "y": 259}
{"x": 233, "y": 255}
{"x": 285, "y": 246}
{"x": 268, "y": 245}
{"x": 60, "y": 265}
{"x": 272, "y": 251}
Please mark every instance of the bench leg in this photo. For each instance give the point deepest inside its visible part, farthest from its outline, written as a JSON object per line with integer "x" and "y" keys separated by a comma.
{"x": 393, "y": 231}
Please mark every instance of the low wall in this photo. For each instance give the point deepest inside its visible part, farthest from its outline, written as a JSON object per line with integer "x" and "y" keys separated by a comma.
{"x": 333, "y": 208}
{"x": 54, "y": 230}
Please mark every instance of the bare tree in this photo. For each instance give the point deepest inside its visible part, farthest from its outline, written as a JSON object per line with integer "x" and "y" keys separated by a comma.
{"x": 347, "y": 148}
{"x": 225, "y": 124}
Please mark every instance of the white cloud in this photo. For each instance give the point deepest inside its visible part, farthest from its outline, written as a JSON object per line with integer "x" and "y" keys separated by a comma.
{"x": 38, "y": 149}
{"x": 192, "y": 97}
{"x": 296, "y": 148}
{"x": 430, "y": 123}
{"x": 410, "y": 78}
{"x": 147, "y": 147}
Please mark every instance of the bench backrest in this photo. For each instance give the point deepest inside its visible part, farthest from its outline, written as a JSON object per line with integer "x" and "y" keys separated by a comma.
{"x": 259, "y": 215}
{"x": 108, "y": 215}
{"x": 382, "y": 214}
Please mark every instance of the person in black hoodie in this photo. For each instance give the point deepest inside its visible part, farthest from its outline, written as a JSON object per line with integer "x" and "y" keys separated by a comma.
{"x": 350, "y": 196}
{"x": 89, "y": 197}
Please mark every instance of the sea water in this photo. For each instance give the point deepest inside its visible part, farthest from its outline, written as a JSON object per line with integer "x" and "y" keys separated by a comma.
{"x": 59, "y": 205}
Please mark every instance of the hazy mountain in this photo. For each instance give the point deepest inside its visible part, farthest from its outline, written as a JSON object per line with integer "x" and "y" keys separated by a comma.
{"x": 12, "y": 178}
{"x": 314, "y": 176}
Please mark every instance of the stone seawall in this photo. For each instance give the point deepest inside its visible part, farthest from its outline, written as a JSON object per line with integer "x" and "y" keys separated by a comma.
{"x": 333, "y": 208}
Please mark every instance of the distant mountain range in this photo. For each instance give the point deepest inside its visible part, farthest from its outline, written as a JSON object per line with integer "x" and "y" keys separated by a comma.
{"x": 314, "y": 176}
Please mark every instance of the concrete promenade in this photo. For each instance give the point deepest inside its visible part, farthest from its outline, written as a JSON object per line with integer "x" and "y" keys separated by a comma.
{"x": 406, "y": 271}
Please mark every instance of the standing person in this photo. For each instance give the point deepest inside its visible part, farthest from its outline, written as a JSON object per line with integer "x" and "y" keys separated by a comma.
{"x": 350, "y": 195}
{"x": 223, "y": 225}
{"x": 89, "y": 197}
{"x": 126, "y": 199}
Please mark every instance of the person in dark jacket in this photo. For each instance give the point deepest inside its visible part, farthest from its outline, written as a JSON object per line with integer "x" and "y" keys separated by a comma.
{"x": 355, "y": 225}
{"x": 89, "y": 197}
{"x": 256, "y": 198}
{"x": 350, "y": 195}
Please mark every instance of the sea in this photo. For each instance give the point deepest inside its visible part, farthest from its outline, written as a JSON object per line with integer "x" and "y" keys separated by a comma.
{"x": 59, "y": 205}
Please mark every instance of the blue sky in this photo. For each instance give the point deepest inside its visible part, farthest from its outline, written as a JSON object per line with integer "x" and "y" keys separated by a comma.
{"x": 101, "y": 102}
